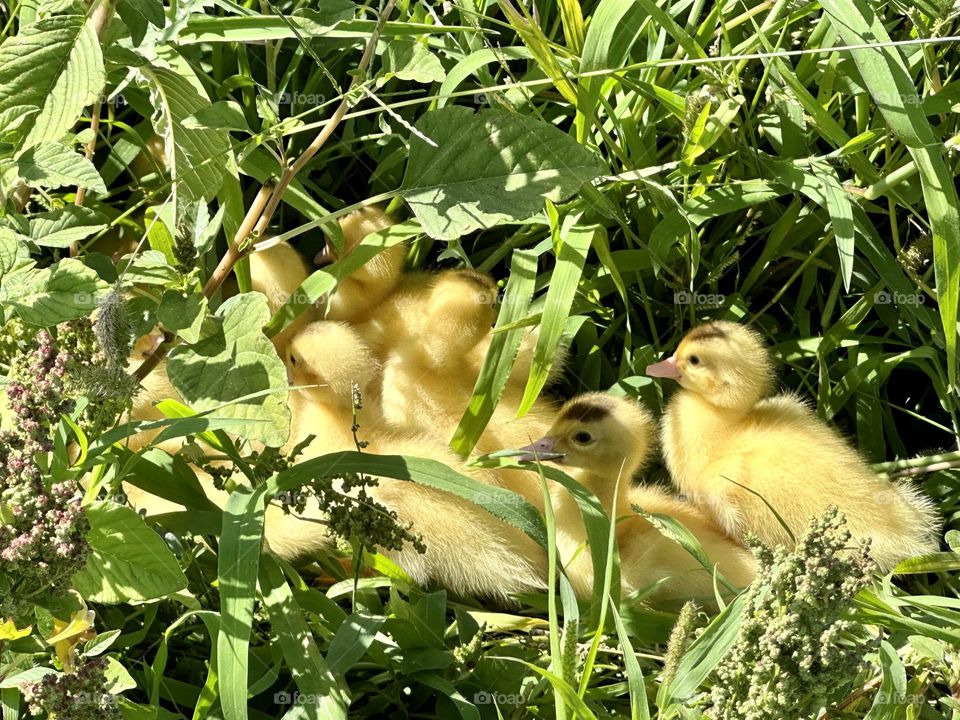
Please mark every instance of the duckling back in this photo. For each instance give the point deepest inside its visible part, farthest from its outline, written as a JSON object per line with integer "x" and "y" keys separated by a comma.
{"x": 782, "y": 452}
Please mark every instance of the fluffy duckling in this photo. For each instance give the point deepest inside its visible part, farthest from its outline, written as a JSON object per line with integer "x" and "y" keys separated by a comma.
{"x": 431, "y": 370}
{"x": 292, "y": 537}
{"x": 155, "y": 386}
{"x": 469, "y": 551}
{"x": 596, "y": 439}
{"x": 723, "y": 425}
{"x": 277, "y": 272}
{"x": 361, "y": 292}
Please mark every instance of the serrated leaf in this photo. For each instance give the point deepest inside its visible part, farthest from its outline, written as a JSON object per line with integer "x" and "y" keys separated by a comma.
{"x": 412, "y": 61}
{"x": 129, "y": 562}
{"x": 67, "y": 289}
{"x": 55, "y": 64}
{"x": 201, "y": 156}
{"x": 13, "y": 117}
{"x": 183, "y": 312}
{"x": 223, "y": 114}
{"x": 8, "y": 250}
{"x": 489, "y": 168}
{"x": 231, "y": 364}
{"x": 61, "y": 227}
{"x": 55, "y": 165}
{"x": 147, "y": 268}
{"x": 136, "y": 14}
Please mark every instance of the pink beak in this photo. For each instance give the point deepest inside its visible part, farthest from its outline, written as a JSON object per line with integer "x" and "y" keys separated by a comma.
{"x": 665, "y": 369}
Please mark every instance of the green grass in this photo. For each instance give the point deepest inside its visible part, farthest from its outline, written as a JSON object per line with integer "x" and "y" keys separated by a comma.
{"x": 788, "y": 164}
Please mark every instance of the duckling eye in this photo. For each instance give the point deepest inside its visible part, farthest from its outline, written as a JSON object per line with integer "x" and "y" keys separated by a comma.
{"x": 293, "y": 360}
{"x": 694, "y": 360}
{"x": 582, "y": 437}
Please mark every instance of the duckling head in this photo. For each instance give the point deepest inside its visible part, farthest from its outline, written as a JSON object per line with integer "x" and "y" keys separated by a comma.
{"x": 726, "y": 363}
{"x": 332, "y": 356}
{"x": 600, "y": 434}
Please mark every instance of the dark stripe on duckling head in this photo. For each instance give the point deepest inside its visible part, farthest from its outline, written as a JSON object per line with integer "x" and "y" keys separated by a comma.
{"x": 706, "y": 332}
{"x": 585, "y": 411}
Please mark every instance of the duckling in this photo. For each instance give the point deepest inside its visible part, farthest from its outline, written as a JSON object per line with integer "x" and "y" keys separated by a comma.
{"x": 154, "y": 387}
{"x": 596, "y": 439}
{"x": 277, "y": 272}
{"x": 362, "y": 291}
{"x": 469, "y": 550}
{"x": 724, "y": 425}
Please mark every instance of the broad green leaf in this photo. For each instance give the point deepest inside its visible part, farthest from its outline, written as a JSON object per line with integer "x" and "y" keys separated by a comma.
{"x": 840, "y": 209}
{"x": 888, "y": 703}
{"x": 500, "y": 356}
{"x": 230, "y": 365}
{"x": 223, "y": 114}
{"x": 409, "y": 60}
{"x": 60, "y": 228}
{"x": 891, "y": 85}
{"x": 8, "y": 250}
{"x": 638, "y": 691}
{"x": 67, "y": 289}
{"x": 257, "y": 28}
{"x": 499, "y": 502}
{"x": 129, "y": 562}
{"x": 201, "y": 156}
{"x": 353, "y": 637}
{"x": 56, "y": 65}
{"x": 54, "y": 165}
{"x": 238, "y": 564}
{"x": 314, "y": 678}
{"x": 183, "y": 312}
{"x": 574, "y": 242}
{"x": 136, "y": 14}
{"x": 488, "y": 168}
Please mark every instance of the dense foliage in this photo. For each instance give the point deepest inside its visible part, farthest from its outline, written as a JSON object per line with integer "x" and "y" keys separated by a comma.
{"x": 624, "y": 168}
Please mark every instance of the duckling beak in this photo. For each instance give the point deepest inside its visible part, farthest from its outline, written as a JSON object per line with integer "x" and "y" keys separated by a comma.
{"x": 665, "y": 369}
{"x": 543, "y": 449}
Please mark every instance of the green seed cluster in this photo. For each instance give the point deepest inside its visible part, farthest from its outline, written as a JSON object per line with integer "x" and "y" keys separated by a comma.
{"x": 356, "y": 515}
{"x": 797, "y": 647}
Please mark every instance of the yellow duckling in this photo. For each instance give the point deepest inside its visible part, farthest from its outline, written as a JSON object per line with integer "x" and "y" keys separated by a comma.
{"x": 362, "y": 291}
{"x": 154, "y": 387}
{"x": 429, "y": 375}
{"x": 724, "y": 426}
{"x": 469, "y": 550}
{"x": 277, "y": 272}
{"x": 598, "y": 439}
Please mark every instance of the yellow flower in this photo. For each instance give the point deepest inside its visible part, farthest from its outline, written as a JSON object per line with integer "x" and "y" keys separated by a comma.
{"x": 67, "y": 635}
{"x": 9, "y": 631}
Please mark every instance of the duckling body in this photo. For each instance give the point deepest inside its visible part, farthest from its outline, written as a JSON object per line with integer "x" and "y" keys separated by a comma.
{"x": 277, "y": 272}
{"x": 360, "y": 293}
{"x": 469, "y": 550}
{"x": 602, "y": 442}
{"x": 722, "y": 427}
{"x": 155, "y": 387}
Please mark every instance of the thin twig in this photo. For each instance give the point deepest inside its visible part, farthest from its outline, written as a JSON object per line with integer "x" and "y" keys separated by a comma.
{"x": 88, "y": 151}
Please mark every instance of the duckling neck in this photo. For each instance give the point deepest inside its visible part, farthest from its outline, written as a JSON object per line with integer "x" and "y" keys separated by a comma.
{"x": 604, "y": 482}
{"x": 693, "y": 431}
